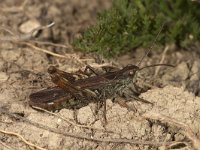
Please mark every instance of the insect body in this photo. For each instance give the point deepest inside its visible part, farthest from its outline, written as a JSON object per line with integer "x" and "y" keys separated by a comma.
{"x": 71, "y": 93}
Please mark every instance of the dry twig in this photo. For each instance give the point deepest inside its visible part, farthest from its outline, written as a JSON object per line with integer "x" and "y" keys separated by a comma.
{"x": 66, "y": 46}
{"x": 65, "y": 56}
{"x": 22, "y": 138}
{"x": 42, "y": 50}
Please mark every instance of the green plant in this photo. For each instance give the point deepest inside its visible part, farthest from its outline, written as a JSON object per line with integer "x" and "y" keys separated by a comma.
{"x": 132, "y": 23}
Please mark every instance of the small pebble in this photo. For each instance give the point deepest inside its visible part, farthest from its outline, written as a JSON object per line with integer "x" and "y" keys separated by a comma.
{"x": 29, "y": 25}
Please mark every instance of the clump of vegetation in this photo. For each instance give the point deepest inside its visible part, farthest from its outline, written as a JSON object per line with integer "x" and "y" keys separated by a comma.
{"x": 132, "y": 23}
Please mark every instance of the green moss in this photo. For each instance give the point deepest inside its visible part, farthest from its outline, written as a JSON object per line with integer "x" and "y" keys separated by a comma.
{"x": 132, "y": 23}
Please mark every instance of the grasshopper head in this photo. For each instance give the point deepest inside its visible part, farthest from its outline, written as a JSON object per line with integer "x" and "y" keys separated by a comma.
{"x": 129, "y": 71}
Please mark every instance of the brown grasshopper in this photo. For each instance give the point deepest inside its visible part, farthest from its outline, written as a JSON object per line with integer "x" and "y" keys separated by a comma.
{"x": 75, "y": 93}
{"x": 70, "y": 91}
{"x": 90, "y": 89}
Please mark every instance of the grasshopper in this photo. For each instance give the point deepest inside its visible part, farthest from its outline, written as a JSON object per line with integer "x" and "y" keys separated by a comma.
{"x": 74, "y": 91}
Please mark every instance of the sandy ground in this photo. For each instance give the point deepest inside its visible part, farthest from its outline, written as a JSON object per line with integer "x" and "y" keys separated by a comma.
{"x": 171, "y": 123}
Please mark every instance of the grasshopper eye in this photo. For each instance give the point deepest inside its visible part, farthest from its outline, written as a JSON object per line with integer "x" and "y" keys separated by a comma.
{"x": 131, "y": 73}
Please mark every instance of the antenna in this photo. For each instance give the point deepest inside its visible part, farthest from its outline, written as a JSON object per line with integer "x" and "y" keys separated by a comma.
{"x": 147, "y": 52}
{"x": 167, "y": 65}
